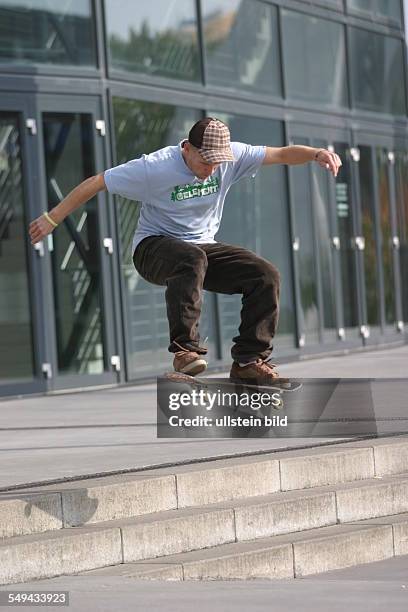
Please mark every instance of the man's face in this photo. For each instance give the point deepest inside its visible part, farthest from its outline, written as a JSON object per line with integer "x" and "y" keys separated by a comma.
{"x": 200, "y": 168}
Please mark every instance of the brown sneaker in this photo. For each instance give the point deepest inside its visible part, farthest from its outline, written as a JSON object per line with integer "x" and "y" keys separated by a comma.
{"x": 261, "y": 373}
{"x": 188, "y": 362}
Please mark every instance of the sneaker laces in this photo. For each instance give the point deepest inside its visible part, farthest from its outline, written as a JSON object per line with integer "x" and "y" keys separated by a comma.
{"x": 266, "y": 365}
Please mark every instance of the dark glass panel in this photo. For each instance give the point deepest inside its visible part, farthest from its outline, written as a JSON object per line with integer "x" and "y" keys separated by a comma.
{"x": 401, "y": 171}
{"x": 314, "y": 59}
{"x": 69, "y": 159}
{"x": 241, "y": 44}
{"x": 386, "y": 234}
{"x": 345, "y": 227}
{"x": 303, "y": 230}
{"x": 377, "y": 72}
{"x": 45, "y": 32}
{"x": 323, "y": 234}
{"x": 370, "y": 234}
{"x": 157, "y": 38}
{"x": 16, "y": 354}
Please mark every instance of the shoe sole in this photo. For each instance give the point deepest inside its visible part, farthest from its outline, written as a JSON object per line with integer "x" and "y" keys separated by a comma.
{"x": 197, "y": 366}
{"x": 259, "y": 382}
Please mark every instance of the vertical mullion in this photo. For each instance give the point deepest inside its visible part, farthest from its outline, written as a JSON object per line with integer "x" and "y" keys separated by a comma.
{"x": 201, "y": 42}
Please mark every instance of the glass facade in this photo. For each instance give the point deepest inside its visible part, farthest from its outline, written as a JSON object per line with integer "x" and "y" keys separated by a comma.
{"x": 46, "y": 32}
{"x": 377, "y": 72}
{"x": 323, "y": 73}
{"x": 242, "y": 45}
{"x": 314, "y": 59}
{"x": 158, "y": 38}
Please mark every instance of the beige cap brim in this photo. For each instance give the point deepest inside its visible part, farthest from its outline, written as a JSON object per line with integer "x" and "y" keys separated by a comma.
{"x": 217, "y": 156}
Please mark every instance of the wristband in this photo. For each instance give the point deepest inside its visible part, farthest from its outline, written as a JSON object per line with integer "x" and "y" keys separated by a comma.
{"x": 47, "y": 216}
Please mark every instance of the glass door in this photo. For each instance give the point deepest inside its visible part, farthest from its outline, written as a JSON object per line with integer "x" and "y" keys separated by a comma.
{"x": 82, "y": 325}
{"x": 378, "y": 228}
{"x": 346, "y": 243}
{"x": 400, "y": 240}
{"x": 20, "y": 288}
{"x": 16, "y": 353}
{"x": 326, "y": 268}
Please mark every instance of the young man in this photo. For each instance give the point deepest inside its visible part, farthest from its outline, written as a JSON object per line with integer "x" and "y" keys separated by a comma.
{"x": 182, "y": 189}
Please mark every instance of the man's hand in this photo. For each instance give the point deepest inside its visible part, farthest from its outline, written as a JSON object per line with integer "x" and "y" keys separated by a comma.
{"x": 39, "y": 228}
{"x": 328, "y": 160}
{"x": 301, "y": 154}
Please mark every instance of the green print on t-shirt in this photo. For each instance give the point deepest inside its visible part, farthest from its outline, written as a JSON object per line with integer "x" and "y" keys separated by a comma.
{"x": 184, "y": 192}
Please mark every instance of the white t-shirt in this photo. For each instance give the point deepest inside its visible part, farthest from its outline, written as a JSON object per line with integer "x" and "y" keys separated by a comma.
{"x": 174, "y": 201}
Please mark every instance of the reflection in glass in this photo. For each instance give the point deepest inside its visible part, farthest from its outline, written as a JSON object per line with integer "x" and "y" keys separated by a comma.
{"x": 157, "y": 38}
{"x": 386, "y": 234}
{"x": 303, "y": 228}
{"x": 143, "y": 127}
{"x": 314, "y": 59}
{"x": 377, "y": 72}
{"x": 323, "y": 231}
{"x": 369, "y": 230}
{"x": 256, "y": 217}
{"x": 390, "y": 9}
{"x": 47, "y": 32}
{"x": 16, "y": 353}
{"x": 75, "y": 256}
{"x": 401, "y": 182}
{"x": 345, "y": 226}
{"x": 241, "y": 44}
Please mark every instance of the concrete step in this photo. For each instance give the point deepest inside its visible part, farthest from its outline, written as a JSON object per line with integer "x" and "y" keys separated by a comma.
{"x": 92, "y": 501}
{"x": 288, "y": 556}
{"x": 176, "y": 531}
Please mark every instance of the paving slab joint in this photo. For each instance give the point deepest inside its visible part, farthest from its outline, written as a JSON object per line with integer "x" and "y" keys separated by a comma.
{"x": 375, "y": 469}
{"x": 121, "y": 545}
{"x": 176, "y": 490}
{"x": 336, "y": 507}
{"x": 62, "y": 510}
{"x": 280, "y": 475}
{"x": 234, "y": 518}
{"x": 293, "y": 559}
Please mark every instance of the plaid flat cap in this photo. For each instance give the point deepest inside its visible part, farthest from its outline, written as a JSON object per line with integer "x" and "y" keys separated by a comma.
{"x": 212, "y": 138}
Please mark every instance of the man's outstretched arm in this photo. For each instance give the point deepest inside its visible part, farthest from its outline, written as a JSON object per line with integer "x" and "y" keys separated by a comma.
{"x": 300, "y": 154}
{"x": 40, "y": 227}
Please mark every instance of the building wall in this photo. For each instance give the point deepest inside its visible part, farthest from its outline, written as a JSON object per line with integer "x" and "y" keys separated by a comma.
{"x": 102, "y": 83}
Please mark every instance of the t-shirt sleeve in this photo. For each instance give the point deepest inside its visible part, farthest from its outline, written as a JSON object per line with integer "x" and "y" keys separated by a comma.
{"x": 249, "y": 158}
{"x": 128, "y": 180}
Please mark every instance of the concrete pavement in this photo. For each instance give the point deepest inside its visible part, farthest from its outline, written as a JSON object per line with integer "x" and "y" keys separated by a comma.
{"x": 66, "y": 435}
{"x": 374, "y": 587}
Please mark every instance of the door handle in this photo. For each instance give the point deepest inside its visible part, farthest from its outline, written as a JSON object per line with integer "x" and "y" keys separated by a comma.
{"x": 336, "y": 242}
{"x": 359, "y": 242}
{"x": 396, "y": 242}
{"x": 39, "y": 247}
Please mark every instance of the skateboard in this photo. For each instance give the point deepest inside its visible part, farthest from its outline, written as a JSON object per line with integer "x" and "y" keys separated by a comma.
{"x": 286, "y": 386}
